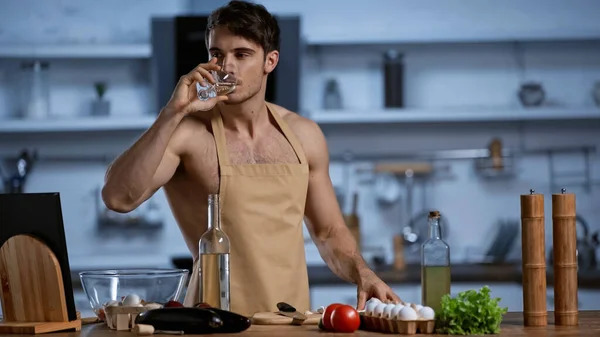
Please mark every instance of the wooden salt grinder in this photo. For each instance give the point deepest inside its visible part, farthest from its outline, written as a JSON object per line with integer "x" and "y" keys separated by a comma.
{"x": 564, "y": 242}
{"x": 535, "y": 312}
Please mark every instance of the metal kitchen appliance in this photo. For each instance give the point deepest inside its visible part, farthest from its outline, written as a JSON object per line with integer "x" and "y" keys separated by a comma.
{"x": 36, "y": 292}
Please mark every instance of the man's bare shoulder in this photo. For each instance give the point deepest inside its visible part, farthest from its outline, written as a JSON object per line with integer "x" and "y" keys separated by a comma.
{"x": 308, "y": 132}
{"x": 192, "y": 127}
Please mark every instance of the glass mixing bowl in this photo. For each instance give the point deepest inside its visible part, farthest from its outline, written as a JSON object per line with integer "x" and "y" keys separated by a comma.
{"x": 151, "y": 285}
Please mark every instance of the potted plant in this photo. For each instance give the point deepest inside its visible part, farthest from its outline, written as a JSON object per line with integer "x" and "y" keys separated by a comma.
{"x": 100, "y": 106}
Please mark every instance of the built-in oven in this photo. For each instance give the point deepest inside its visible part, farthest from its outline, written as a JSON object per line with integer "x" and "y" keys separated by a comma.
{"x": 178, "y": 45}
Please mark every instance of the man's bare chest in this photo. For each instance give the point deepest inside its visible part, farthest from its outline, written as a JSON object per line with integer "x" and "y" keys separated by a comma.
{"x": 202, "y": 164}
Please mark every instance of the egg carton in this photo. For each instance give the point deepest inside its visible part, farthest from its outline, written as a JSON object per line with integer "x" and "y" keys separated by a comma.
{"x": 397, "y": 326}
{"x": 122, "y": 317}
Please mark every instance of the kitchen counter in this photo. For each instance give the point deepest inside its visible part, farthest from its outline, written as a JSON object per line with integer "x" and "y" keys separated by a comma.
{"x": 512, "y": 325}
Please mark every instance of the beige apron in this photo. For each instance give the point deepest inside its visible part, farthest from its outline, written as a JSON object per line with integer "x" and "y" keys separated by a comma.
{"x": 262, "y": 208}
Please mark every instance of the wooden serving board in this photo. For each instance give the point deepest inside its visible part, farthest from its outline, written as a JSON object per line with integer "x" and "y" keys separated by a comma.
{"x": 272, "y": 318}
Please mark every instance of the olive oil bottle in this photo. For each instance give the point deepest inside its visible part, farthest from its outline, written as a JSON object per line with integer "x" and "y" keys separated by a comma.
{"x": 435, "y": 265}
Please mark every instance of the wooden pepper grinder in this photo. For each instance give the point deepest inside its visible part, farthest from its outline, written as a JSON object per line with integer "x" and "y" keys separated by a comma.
{"x": 564, "y": 241}
{"x": 535, "y": 312}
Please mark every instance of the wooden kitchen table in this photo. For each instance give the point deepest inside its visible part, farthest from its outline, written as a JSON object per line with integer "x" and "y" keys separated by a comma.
{"x": 512, "y": 325}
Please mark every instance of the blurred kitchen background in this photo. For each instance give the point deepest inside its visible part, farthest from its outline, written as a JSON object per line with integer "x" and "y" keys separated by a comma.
{"x": 453, "y": 105}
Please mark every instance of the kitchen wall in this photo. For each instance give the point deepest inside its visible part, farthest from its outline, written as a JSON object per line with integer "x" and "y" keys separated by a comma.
{"x": 445, "y": 77}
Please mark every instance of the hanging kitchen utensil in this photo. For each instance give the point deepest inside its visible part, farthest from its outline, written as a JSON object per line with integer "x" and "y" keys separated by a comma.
{"x": 409, "y": 170}
{"x": 347, "y": 180}
{"x": 353, "y": 221}
{"x": 497, "y": 164}
{"x": 21, "y": 167}
{"x": 387, "y": 188}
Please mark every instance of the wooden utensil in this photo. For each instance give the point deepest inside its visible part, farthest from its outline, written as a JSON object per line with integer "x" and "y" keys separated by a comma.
{"x": 273, "y": 318}
{"x": 399, "y": 261}
{"x": 495, "y": 148}
{"x": 353, "y": 221}
{"x": 289, "y": 311}
{"x": 36, "y": 292}
{"x": 401, "y": 168}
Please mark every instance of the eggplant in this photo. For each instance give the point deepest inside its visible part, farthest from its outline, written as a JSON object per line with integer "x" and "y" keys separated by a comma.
{"x": 232, "y": 322}
{"x": 194, "y": 320}
{"x": 189, "y": 320}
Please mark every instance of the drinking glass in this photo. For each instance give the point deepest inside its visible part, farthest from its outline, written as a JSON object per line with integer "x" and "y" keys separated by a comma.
{"x": 225, "y": 84}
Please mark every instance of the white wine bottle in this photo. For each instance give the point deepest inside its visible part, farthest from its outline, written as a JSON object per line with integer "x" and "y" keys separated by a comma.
{"x": 214, "y": 260}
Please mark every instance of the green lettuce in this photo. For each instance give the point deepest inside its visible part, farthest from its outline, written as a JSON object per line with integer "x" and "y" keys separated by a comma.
{"x": 470, "y": 313}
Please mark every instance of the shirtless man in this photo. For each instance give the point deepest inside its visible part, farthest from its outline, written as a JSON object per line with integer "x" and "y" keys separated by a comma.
{"x": 269, "y": 165}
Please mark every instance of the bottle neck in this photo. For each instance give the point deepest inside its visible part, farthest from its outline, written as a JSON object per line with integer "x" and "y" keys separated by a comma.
{"x": 434, "y": 228}
{"x": 214, "y": 219}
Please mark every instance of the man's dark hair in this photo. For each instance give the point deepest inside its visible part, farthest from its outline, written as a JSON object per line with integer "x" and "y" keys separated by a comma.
{"x": 248, "y": 20}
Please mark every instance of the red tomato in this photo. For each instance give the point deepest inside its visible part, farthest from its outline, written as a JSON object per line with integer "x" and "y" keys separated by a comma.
{"x": 345, "y": 319}
{"x": 173, "y": 304}
{"x": 327, "y": 316}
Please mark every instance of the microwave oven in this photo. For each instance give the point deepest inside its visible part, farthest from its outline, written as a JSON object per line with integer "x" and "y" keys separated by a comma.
{"x": 178, "y": 46}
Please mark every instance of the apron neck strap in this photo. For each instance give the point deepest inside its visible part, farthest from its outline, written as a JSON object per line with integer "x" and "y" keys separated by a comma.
{"x": 289, "y": 134}
{"x": 221, "y": 143}
{"x": 219, "y": 134}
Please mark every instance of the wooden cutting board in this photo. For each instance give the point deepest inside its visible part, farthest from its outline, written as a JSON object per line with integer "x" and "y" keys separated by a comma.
{"x": 271, "y": 318}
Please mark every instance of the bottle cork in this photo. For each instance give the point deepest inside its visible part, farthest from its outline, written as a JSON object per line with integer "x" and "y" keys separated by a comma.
{"x": 533, "y": 248}
{"x": 564, "y": 243}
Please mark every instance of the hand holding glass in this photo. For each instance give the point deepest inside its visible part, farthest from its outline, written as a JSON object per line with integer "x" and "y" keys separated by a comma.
{"x": 225, "y": 84}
